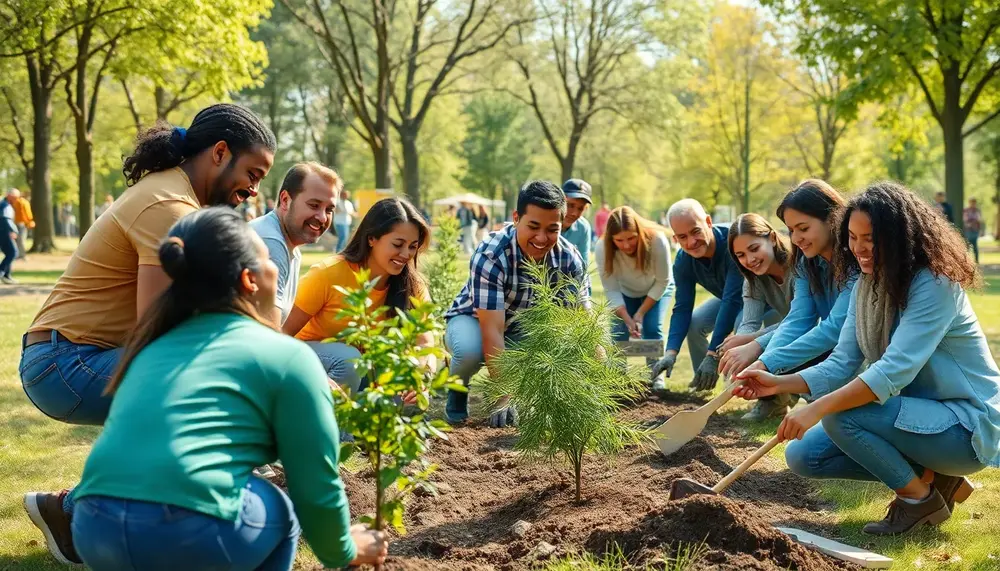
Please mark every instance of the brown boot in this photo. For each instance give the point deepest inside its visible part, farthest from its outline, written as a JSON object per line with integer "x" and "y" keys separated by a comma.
{"x": 953, "y": 489}
{"x": 46, "y": 512}
{"x": 903, "y": 517}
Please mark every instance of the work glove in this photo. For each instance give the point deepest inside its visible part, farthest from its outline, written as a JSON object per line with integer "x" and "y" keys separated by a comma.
{"x": 707, "y": 374}
{"x": 503, "y": 417}
{"x": 664, "y": 365}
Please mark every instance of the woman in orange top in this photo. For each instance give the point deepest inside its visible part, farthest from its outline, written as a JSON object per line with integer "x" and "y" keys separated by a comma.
{"x": 387, "y": 243}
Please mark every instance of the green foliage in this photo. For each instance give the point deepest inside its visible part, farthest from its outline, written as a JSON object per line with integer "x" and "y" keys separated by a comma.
{"x": 390, "y": 440}
{"x": 498, "y": 147}
{"x": 566, "y": 377}
{"x": 445, "y": 276}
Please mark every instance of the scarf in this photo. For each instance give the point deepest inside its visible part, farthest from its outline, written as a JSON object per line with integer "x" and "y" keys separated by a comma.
{"x": 875, "y": 316}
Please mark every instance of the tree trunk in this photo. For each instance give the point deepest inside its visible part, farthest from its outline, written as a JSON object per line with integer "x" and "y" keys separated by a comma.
{"x": 383, "y": 164}
{"x": 162, "y": 103}
{"x": 951, "y": 125}
{"x": 411, "y": 166}
{"x": 996, "y": 200}
{"x": 41, "y": 181}
{"x": 85, "y": 163}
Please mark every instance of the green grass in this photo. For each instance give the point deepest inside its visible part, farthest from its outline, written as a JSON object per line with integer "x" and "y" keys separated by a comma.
{"x": 40, "y": 454}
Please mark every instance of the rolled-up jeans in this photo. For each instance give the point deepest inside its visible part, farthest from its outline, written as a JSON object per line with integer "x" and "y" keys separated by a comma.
{"x": 464, "y": 341}
{"x": 115, "y": 534}
{"x": 864, "y": 443}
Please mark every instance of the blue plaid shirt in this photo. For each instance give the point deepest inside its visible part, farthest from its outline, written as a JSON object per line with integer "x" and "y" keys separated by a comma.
{"x": 496, "y": 281}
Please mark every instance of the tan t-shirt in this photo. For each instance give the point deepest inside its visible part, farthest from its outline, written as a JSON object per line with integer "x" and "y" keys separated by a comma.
{"x": 94, "y": 301}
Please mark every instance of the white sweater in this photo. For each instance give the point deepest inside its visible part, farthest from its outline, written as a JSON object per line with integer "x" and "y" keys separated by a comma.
{"x": 629, "y": 280}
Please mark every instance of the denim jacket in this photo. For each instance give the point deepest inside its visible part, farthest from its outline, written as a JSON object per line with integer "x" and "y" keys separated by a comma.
{"x": 938, "y": 362}
{"x": 799, "y": 338}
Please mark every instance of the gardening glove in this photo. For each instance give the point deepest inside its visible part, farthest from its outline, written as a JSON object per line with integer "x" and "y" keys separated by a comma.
{"x": 664, "y": 365}
{"x": 707, "y": 374}
{"x": 504, "y": 415}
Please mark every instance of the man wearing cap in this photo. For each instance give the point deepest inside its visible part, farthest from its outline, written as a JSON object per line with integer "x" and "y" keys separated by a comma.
{"x": 576, "y": 228}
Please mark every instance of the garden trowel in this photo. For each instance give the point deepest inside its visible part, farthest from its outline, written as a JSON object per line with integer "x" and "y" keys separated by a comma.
{"x": 684, "y": 487}
{"x": 679, "y": 429}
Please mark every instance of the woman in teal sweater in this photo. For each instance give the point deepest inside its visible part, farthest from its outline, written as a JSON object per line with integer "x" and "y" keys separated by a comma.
{"x": 926, "y": 408}
{"x": 207, "y": 391}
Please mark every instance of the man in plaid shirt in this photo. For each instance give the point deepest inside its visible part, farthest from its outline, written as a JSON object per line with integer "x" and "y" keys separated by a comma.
{"x": 496, "y": 290}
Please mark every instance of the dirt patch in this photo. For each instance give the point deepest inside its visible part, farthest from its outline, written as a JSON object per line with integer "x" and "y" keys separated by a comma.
{"x": 484, "y": 489}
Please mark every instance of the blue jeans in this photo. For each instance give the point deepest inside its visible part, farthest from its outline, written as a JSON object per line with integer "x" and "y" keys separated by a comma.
{"x": 464, "y": 341}
{"x": 114, "y": 534}
{"x": 66, "y": 381}
{"x": 864, "y": 444}
{"x": 652, "y": 322}
{"x": 343, "y": 235}
{"x": 973, "y": 238}
{"x": 9, "y": 250}
{"x": 338, "y": 360}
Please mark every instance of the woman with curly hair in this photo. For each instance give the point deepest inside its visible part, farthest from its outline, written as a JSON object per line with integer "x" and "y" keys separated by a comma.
{"x": 926, "y": 408}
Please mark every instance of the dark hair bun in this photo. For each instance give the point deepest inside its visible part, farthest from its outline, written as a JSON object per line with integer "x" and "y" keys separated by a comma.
{"x": 172, "y": 258}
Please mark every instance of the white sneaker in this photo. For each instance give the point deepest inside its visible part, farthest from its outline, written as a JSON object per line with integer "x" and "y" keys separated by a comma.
{"x": 8, "y": 280}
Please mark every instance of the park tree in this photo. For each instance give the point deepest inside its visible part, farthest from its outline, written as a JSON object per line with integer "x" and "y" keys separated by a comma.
{"x": 947, "y": 47}
{"x": 354, "y": 39}
{"x": 738, "y": 116}
{"x": 497, "y": 148}
{"x": 442, "y": 39}
{"x": 578, "y": 60}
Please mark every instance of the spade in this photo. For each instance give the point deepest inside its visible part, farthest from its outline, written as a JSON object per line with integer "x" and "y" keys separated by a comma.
{"x": 684, "y": 487}
{"x": 679, "y": 429}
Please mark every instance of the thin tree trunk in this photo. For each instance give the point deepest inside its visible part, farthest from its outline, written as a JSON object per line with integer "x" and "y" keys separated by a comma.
{"x": 41, "y": 187}
{"x": 383, "y": 164}
{"x": 85, "y": 164}
{"x": 411, "y": 166}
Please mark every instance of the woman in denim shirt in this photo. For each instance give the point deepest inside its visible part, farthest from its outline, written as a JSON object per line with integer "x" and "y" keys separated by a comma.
{"x": 819, "y": 305}
{"x": 927, "y": 407}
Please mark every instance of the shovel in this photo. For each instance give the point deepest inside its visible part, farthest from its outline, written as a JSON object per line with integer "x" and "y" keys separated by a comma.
{"x": 685, "y": 425}
{"x": 684, "y": 487}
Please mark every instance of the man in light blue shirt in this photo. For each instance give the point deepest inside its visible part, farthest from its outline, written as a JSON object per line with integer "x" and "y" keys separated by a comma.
{"x": 576, "y": 228}
{"x": 303, "y": 214}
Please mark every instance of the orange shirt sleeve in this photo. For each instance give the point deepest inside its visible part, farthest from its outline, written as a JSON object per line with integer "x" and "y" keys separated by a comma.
{"x": 314, "y": 290}
{"x": 150, "y": 227}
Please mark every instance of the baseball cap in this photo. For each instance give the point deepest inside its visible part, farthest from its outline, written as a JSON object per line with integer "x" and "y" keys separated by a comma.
{"x": 577, "y": 188}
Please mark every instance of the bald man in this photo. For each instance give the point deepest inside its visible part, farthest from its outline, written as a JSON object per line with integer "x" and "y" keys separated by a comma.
{"x": 705, "y": 261}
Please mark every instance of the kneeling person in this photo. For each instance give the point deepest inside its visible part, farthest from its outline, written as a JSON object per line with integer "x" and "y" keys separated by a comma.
{"x": 387, "y": 243}
{"x": 303, "y": 214}
{"x": 481, "y": 313}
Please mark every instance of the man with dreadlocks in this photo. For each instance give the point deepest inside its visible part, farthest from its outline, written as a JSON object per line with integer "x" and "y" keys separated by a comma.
{"x": 74, "y": 344}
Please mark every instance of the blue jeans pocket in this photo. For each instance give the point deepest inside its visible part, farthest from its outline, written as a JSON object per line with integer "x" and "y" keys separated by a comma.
{"x": 48, "y": 390}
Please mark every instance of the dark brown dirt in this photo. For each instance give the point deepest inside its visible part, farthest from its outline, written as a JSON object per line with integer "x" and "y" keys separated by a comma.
{"x": 484, "y": 489}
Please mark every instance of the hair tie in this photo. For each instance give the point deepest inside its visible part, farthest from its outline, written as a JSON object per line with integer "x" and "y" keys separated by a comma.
{"x": 179, "y": 134}
{"x": 177, "y": 241}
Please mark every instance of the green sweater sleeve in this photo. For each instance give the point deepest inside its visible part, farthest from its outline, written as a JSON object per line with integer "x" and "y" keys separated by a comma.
{"x": 308, "y": 444}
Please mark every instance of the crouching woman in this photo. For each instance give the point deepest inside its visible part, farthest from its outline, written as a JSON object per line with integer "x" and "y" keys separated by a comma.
{"x": 927, "y": 406}
{"x": 206, "y": 391}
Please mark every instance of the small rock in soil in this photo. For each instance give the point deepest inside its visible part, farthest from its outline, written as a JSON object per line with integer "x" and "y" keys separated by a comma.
{"x": 542, "y": 550}
{"x": 444, "y": 487}
{"x": 521, "y": 528}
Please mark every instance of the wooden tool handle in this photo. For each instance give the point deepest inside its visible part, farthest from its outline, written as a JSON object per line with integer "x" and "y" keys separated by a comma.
{"x": 721, "y": 399}
{"x": 738, "y": 471}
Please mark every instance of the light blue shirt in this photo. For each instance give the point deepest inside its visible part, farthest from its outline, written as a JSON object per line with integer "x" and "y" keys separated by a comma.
{"x": 938, "y": 362}
{"x": 580, "y": 235}
{"x": 268, "y": 227}
{"x": 7, "y": 216}
{"x": 812, "y": 325}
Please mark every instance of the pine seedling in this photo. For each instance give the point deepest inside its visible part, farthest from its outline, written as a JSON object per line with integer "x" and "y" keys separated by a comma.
{"x": 392, "y": 442}
{"x": 565, "y": 376}
{"x": 445, "y": 276}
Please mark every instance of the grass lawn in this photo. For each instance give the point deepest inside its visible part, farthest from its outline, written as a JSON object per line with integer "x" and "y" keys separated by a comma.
{"x": 40, "y": 454}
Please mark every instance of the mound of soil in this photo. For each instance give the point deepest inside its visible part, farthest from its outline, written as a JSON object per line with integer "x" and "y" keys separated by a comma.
{"x": 484, "y": 488}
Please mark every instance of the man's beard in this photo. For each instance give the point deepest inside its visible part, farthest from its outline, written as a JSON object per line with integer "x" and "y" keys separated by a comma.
{"x": 219, "y": 196}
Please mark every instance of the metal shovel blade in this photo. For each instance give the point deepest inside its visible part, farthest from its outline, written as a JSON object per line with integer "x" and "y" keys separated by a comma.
{"x": 684, "y": 487}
